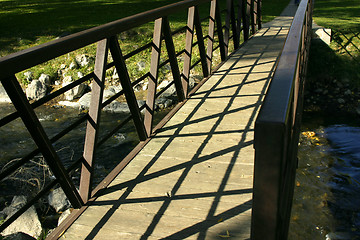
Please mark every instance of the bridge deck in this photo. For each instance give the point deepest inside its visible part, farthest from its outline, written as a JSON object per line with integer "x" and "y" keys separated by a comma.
{"x": 194, "y": 179}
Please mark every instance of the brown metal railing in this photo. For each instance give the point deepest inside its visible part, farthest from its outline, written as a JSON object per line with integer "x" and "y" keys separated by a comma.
{"x": 277, "y": 132}
{"x": 241, "y": 16}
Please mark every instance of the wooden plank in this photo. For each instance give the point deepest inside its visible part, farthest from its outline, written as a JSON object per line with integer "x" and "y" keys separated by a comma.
{"x": 193, "y": 179}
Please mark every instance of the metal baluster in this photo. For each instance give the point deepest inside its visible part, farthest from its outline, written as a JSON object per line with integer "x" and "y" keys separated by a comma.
{"x": 245, "y": 16}
{"x": 126, "y": 85}
{"x": 219, "y": 26}
{"x": 154, "y": 70}
{"x": 188, "y": 50}
{"x": 172, "y": 58}
{"x": 39, "y": 136}
{"x": 234, "y": 29}
{"x": 93, "y": 123}
{"x": 201, "y": 44}
{"x": 211, "y": 33}
{"x": 227, "y": 26}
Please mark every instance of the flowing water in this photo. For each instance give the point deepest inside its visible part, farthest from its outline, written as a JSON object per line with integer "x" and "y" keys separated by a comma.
{"x": 327, "y": 191}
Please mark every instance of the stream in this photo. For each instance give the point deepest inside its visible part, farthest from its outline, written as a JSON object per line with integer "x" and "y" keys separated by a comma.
{"x": 326, "y": 201}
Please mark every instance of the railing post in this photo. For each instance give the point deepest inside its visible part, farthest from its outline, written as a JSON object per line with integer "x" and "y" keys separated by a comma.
{"x": 270, "y": 149}
{"x": 39, "y": 136}
{"x": 121, "y": 68}
{"x": 188, "y": 50}
{"x": 227, "y": 26}
{"x": 259, "y": 14}
{"x": 201, "y": 44}
{"x": 219, "y": 27}
{"x": 211, "y": 33}
{"x": 154, "y": 70}
{"x": 172, "y": 58}
{"x": 93, "y": 122}
{"x": 253, "y": 15}
{"x": 234, "y": 28}
{"x": 245, "y": 17}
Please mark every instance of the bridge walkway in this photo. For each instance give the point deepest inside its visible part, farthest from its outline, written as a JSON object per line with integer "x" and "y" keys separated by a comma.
{"x": 194, "y": 179}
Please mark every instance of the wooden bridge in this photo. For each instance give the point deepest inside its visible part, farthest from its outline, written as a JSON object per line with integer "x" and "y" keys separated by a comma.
{"x": 193, "y": 178}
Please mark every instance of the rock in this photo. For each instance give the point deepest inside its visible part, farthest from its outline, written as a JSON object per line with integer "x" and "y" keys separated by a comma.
{"x": 45, "y": 79}
{"x": 18, "y": 236}
{"x": 4, "y": 98}
{"x": 73, "y": 65}
{"x": 120, "y": 107}
{"x": 341, "y": 101}
{"x": 115, "y": 75}
{"x": 163, "y": 84}
{"x": 324, "y": 34}
{"x": 141, "y": 65}
{"x": 58, "y": 200}
{"x": 163, "y": 103}
{"x": 63, "y": 216}
{"x": 347, "y": 92}
{"x": 84, "y": 60}
{"x": 28, "y": 75}
{"x": 69, "y": 104}
{"x": 62, "y": 66}
{"x": 27, "y": 223}
{"x": 84, "y": 101}
{"x": 75, "y": 92}
{"x": 36, "y": 90}
{"x": 145, "y": 86}
{"x": 80, "y": 74}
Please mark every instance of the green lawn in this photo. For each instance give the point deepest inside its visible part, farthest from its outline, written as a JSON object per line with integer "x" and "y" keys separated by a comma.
{"x": 334, "y": 62}
{"x": 26, "y": 23}
{"x": 33, "y": 22}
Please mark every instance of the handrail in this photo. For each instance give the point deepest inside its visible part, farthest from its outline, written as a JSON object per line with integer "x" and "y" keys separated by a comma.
{"x": 105, "y": 36}
{"x": 277, "y": 132}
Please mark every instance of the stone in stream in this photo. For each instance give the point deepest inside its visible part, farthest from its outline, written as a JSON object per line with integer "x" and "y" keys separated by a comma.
{"x": 75, "y": 92}
{"x": 4, "y": 98}
{"x": 27, "y": 223}
{"x": 36, "y": 90}
{"x": 58, "y": 200}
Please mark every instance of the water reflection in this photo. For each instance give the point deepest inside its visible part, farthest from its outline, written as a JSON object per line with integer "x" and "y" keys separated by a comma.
{"x": 327, "y": 195}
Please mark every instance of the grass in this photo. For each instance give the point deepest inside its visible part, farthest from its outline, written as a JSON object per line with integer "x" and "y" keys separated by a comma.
{"x": 31, "y": 23}
{"x": 333, "y": 62}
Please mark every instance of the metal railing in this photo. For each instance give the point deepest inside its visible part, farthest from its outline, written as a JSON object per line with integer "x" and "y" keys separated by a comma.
{"x": 241, "y": 16}
{"x": 277, "y": 132}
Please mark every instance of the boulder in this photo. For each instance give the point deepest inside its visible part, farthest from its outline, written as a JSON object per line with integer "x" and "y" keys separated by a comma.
{"x": 36, "y": 90}
{"x": 4, "y": 98}
{"x": 75, "y": 92}
{"x": 27, "y": 223}
{"x": 18, "y": 236}
{"x": 141, "y": 65}
{"x": 28, "y": 75}
{"x": 84, "y": 60}
{"x": 58, "y": 200}
{"x": 63, "y": 216}
{"x": 45, "y": 79}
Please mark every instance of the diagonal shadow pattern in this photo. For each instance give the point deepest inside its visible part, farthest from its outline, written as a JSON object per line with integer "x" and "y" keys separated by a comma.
{"x": 203, "y": 156}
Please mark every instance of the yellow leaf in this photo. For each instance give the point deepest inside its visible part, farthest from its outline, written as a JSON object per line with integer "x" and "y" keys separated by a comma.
{"x": 225, "y": 236}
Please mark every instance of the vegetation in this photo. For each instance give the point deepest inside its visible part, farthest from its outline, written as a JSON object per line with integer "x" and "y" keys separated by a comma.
{"x": 341, "y": 59}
